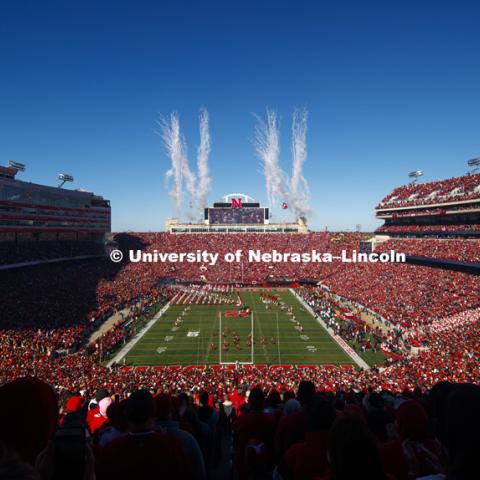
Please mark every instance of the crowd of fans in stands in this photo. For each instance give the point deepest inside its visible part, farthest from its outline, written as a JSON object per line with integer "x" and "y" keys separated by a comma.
{"x": 462, "y": 250}
{"x": 404, "y": 294}
{"x": 442, "y": 191}
{"x": 49, "y": 312}
{"x": 421, "y": 212}
{"x": 427, "y": 228}
{"x": 349, "y": 325}
{"x": 279, "y": 433}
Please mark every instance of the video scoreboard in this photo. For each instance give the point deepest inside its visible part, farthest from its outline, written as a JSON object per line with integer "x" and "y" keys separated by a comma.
{"x": 247, "y": 214}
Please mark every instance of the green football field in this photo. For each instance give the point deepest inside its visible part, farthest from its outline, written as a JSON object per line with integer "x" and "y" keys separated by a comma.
{"x": 198, "y": 339}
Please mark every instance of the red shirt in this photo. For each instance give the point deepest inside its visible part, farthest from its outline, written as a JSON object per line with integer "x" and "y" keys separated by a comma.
{"x": 95, "y": 420}
{"x": 308, "y": 459}
{"x": 291, "y": 429}
{"x": 253, "y": 426}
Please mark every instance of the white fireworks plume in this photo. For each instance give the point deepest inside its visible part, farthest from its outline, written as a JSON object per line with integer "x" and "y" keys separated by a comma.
{"x": 299, "y": 191}
{"x": 175, "y": 146}
{"x": 203, "y": 153}
{"x": 267, "y": 147}
{"x": 294, "y": 191}
{"x": 177, "y": 151}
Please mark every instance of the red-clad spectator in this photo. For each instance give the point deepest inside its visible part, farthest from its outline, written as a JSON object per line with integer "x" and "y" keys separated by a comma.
{"x": 99, "y": 417}
{"x": 28, "y": 417}
{"x": 352, "y": 451}
{"x": 166, "y": 423}
{"x": 415, "y": 452}
{"x": 253, "y": 432}
{"x": 292, "y": 428}
{"x": 143, "y": 453}
{"x": 308, "y": 459}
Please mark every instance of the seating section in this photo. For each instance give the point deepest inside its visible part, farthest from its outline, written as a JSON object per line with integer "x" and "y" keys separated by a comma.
{"x": 20, "y": 252}
{"x": 460, "y": 250}
{"x": 441, "y": 191}
{"x": 428, "y": 228}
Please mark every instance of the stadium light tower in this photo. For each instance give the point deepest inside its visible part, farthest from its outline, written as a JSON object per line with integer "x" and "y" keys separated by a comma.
{"x": 414, "y": 176}
{"x": 474, "y": 164}
{"x": 20, "y": 167}
{"x": 64, "y": 177}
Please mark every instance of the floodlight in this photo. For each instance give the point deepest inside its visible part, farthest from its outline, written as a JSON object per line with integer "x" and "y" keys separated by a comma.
{"x": 17, "y": 166}
{"x": 64, "y": 177}
{"x": 474, "y": 164}
{"x": 415, "y": 174}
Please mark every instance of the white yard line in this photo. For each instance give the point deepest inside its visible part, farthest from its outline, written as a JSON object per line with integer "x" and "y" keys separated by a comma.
{"x": 128, "y": 346}
{"x": 338, "y": 340}
{"x": 278, "y": 342}
{"x": 265, "y": 351}
{"x": 198, "y": 340}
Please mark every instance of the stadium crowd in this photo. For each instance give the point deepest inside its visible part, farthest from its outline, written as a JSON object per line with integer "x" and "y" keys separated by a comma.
{"x": 427, "y": 228}
{"x": 462, "y": 250}
{"x": 421, "y": 212}
{"x": 34, "y": 299}
{"x": 39, "y": 336}
{"x": 442, "y": 191}
{"x": 349, "y": 325}
{"x": 306, "y": 433}
{"x": 48, "y": 313}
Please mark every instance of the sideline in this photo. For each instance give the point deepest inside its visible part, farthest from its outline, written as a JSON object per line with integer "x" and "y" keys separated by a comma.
{"x": 338, "y": 340}
{"x": 129, "y": 345}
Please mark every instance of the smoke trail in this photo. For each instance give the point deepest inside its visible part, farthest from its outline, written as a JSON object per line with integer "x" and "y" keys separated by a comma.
{"x": 268, "y": 150}
{"x": 175, "y": 146}
{"x": 177, "y": 151}
{"x": 191, "y": 184}
{"x": 203, "y": 153}
{"x": 299, "y": 191}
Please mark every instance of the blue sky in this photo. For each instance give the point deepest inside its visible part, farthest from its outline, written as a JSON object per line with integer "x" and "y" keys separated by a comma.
{"x": 391, "y": 86}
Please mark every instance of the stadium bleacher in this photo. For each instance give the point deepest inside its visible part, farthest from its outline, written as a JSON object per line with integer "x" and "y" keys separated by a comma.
{"x": 461, "y": 250}
{"x": 456, "y": 189}
{"x": 446, "y": 208}
{"x": 434, "y": 229}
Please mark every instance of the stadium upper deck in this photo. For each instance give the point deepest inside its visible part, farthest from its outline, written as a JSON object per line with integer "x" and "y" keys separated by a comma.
{"x": 457, "y": 191}
{"x": 30, "y": 212}
{"x": 443, "y": 208}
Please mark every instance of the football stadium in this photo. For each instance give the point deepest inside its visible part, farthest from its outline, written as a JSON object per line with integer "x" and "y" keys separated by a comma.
{"x": 240, "y": 338}
{"x": 216, "y": 331}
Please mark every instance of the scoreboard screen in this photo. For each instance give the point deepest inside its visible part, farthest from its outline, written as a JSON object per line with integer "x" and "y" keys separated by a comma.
{"x": 233, "y": 216}
{"x": 365, "y": 247}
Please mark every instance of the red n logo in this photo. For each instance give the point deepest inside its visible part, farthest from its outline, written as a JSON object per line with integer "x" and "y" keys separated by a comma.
{"x": 236, "y": 203}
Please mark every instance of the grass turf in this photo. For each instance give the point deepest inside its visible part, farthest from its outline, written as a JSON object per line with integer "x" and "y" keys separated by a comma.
{"x": 163, "y": 346}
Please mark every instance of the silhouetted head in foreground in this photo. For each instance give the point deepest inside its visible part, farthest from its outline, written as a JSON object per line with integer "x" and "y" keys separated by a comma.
{"x": 352, "y": 451}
